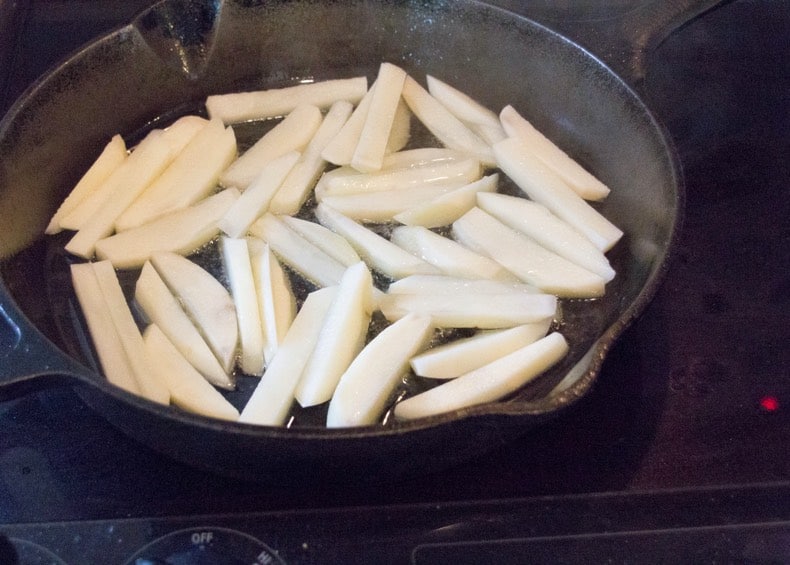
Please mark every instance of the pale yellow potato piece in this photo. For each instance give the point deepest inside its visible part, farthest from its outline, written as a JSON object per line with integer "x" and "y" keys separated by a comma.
{"x": 488, "y": 383}
{"x": 341, "y": 338}
{"x": 453, "y": 359}
{"x": 111, "y": 157}
{"x": 163, "y": 309}
{"x": 480, "y": 119}
{"x": 384, "y": 205}
{"x": 340, "y": 149}
{"x": 240, "y": 107}
{"x": 112, "y": 357}
{"x": 192, "y": 176}
{"x": 205, "y": 300}
{"x": 368, "y": 383}
{"x": 273, "y": 396}
{"x": 524, "y": 257}
{"x": 544, "y": 186}
{"x": 293, "y": 133}
{"x": 182, "y": 231}
{"x": 188, "y": 389}
{"x": 325, "y": 239}
{"x": 586, "y": 185}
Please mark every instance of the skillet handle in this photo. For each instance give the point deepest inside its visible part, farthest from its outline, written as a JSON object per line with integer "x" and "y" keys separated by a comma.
{"x": 624, "y": 40}
{"x": 28, "y": 360}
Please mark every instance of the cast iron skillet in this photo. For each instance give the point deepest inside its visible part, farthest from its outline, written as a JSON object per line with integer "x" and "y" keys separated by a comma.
{"x": 165, "y": 63}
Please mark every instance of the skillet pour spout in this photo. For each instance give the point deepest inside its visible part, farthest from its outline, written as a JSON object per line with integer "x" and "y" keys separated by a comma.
{"x": 174, "y": 55}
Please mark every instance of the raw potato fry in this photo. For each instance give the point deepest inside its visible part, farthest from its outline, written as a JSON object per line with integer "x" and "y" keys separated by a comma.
{"x": 292, "y": 134}
{"x": 144, "y": 164}
{"x": 150, "y": 386}
{"x": 400, "y": 133}
{"x": 578, "y": 178}
{"x": 274, "y": 394}
{"x": 300, "y": 181}
{"x": 488, "y": 383}
{"x": 522, "y": 256}
{"x": 325, "y": 239}
{"x": 480, "y": 119}
{"x": 255, "y": 199}
{"x": 162, "y": 308}
{"x": 188, "y": 389}
{"x": 191, "y": 176}
{"x": 545, "y": 187}
{"x": 375, "y": 134}
{"x": 111, "y": 157}
{"x": 420, "y": 157}
{"x": 276, "y": 301}
{"x": 383, "y": 205}
{"x": 456, "y": 286}
{"x": 341, "y": 337}
{"x": 364, "y": 388}
{"x": 106, "y": 340}
{"x": 340, "y": 149}
{"x": 445, "y": 126}
{"x": 346, "y": 180}
{"x": 537, "y": 222}
{"x": 236, "y": 259}
{"x": 445, "y": 209}
{"x": 208, "y": 304}
{"x": 453, "y": 359}
{"x": 182, "y": 131}
{"x": 459, "y": 311}
{"x": 377, "y": 251}
{"x": 182, "y": 231}
{"x": 240, "y": 107}
{"x": 309, "y": 260}
{"x": 449, "y": 256}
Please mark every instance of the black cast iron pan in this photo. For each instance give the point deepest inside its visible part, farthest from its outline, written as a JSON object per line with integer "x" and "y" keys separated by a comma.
{"x": 173, "y": 55}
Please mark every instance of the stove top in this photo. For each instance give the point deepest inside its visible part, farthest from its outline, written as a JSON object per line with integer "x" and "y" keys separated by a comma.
{"x": 679, "y": 452}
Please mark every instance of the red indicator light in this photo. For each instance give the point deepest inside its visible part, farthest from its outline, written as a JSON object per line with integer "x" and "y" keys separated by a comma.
{"x": 769, "y": 403}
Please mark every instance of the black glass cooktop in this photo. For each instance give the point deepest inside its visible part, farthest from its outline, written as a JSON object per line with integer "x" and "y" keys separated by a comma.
{"x": 680, "y": 451}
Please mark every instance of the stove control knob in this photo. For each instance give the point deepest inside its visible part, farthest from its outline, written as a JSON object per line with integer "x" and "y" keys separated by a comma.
{"x": 204, "y": 546}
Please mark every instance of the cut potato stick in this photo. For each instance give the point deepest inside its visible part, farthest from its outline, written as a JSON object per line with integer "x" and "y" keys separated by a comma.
{"x": 341, "y": 337}
{"x": 480, "y": 119}
{"x": 457, "y": 286}
{"x": 346, "y": 180}
{"x": 255, "y": 199}
{"x": 449, "y": 256}
{"x": 276, "y": 300}
{"x": 293, "y": 133}
{"x": 307, "y": 259}
{"x": 191, "y": 176}
{"x": 375, "y": 134}
{"x": 536, "y": 221}
{"x": 274, "y": 394}
{"x": 325, "y": 239}
{"x": 182, "y": 131}
{"x": 522, "y": 256}
{"x": 112, "y": 357}
{"x": 144, "y": 164}
{"x": 453, "y": 359}
{"x": 297, "y": 185}
{"x": 188, "y": 389}
{"x": 240, "y": 107}
{"x": 578, "y": 178}
{"x": 181, "y": 231}
{"x": 205, "y": 300}
{"x": 445, "y": 126}
{"x": 421, "y": 157}
{"x": 111, "y": 157}
{"x": 445, "y": 209}
{"x": 150, "y": 386}
{"x": 377, "y": 251}
{"x": 365, "y": 387}
{"x": 340, "y": 149}
{"x": 488, "y": 383}
{"x": 459, "y": 311}
{"x": 545, "y": 187}
{"x": 163, "y": 309}
{"x": 238, "y": 268}
{"x": 400, "y": 133}
{"x": 383, "y": 205}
